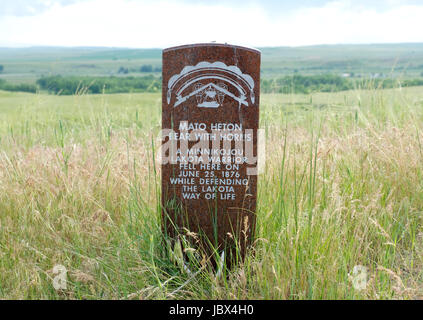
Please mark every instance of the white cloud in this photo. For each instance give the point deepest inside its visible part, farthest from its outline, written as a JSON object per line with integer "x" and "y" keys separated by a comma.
{"x": 29, "y": 7}
{"x": 130, "y": 23}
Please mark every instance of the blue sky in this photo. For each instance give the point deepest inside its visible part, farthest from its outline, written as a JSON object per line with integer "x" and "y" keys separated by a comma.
{"x": 162, "y": 23}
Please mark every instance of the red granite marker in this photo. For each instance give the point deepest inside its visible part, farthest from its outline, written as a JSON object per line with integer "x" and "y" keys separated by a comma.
{"x": 210, "y": 118}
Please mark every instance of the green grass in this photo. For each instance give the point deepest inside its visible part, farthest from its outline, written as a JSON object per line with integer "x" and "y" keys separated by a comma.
{"x": 342, "y": 186}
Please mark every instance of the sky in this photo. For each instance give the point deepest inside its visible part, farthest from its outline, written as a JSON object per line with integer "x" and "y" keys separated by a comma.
{"x": 164, "y": 23}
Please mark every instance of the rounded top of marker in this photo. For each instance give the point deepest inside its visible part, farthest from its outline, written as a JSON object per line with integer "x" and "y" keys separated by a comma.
{"x": 210, "y": 44}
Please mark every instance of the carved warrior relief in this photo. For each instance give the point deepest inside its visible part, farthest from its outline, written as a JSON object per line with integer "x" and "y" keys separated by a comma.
{"x": 210, "y": 83}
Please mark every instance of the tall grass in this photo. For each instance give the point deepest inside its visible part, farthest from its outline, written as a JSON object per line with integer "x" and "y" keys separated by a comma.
{"x": 79, "y": 186}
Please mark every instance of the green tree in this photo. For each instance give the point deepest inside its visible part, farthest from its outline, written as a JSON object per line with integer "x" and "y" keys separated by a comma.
{"x": 123, "y": 70}
{"x": 146, "y": 68}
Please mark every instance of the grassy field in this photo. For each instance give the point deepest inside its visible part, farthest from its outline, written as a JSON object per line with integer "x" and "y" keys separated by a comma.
{"x": 342, "y": 187}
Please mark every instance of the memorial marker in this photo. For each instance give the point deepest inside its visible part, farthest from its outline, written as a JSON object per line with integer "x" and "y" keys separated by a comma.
{"x": 210, "y": 118}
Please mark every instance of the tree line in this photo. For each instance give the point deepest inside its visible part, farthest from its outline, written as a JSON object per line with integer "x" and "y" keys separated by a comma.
{"x": 305, "y": 84}
{"x": 74, "y": 85}
{"x": 144, "y": 68}
{"x": 329, "y": 83}
{"x": 21, "y": 87}
{"x": 288, "y": 84}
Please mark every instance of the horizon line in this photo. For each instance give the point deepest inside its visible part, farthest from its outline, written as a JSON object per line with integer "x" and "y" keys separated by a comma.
{"x": 162, "y": 48}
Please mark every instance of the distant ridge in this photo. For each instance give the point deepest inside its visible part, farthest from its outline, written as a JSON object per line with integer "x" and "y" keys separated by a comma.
{"x": 375, "y": 60}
